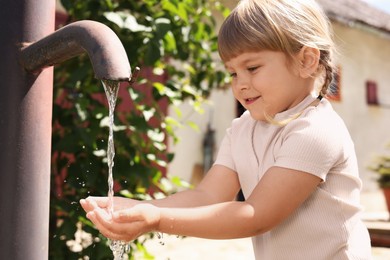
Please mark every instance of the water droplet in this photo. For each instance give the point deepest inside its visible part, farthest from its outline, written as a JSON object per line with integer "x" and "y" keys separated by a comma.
{"x": 160, "y": 238}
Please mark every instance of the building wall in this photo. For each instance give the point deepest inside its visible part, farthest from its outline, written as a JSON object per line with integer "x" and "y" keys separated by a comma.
{"x": 219, "y": 111}
{"x": 363, "y": 55}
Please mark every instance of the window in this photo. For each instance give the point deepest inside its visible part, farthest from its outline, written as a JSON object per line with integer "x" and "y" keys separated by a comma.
{"x": 371, "y": 92}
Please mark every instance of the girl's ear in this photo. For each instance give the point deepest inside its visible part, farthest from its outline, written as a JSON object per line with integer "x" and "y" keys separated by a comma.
{"x": 309, "y": 59}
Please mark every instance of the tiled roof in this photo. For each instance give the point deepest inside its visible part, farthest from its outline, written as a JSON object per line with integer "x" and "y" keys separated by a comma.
{"x": 356, "y": 11}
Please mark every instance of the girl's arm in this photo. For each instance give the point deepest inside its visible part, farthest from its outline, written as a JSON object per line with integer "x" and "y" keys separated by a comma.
{"x": 220, "y": 184}
{"x": 276, "y": 196}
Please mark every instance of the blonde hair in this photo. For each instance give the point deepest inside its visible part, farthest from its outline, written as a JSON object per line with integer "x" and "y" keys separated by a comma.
{"x": 279, "y": 25}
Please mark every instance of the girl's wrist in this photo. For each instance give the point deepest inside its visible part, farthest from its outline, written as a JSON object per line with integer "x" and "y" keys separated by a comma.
{"x": 152, "y": 216}
{"x": 165, "y": 223}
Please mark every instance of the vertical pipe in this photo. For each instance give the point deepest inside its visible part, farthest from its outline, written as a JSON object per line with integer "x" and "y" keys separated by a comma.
{"x": 25, "y": 133}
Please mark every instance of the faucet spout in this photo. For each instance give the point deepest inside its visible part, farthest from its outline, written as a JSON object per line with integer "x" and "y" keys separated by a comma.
{"x": 105, "y": 50}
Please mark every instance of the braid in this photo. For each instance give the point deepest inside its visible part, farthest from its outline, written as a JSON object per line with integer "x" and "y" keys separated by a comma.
{"x": 327, "y": 65}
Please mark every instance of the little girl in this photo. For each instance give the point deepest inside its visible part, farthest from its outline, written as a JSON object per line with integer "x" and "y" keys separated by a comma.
{"x": 290, "y": 153}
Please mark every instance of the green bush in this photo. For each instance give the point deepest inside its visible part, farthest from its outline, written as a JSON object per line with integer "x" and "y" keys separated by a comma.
{"x": 175, "y": 42}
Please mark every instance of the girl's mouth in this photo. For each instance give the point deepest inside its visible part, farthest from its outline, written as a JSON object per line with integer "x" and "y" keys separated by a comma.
{"x": 249, "y": 101}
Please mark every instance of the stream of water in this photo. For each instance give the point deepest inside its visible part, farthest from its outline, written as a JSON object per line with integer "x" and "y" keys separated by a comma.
{"x": 119, "y": 248}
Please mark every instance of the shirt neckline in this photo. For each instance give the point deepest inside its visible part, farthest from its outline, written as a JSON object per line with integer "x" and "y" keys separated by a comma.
{"x": 296, "y": 109}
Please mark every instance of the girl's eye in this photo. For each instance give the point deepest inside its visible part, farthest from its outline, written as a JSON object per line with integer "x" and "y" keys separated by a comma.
{"x": 251, "y": 69}
{"x": 233, "y": 74}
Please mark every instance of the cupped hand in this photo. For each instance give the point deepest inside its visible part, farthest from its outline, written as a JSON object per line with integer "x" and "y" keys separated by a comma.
{"x": 120, "y": 203}
{"x": 126, "y": 223}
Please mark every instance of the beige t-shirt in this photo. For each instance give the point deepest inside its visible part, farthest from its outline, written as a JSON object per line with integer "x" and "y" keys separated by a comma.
{"x": 327, "y": 225}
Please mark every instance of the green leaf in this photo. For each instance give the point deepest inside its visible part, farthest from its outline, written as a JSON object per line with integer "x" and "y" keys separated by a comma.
{"x": 163, "y": 25}
{"x": 193, "y": 125}
{"x": 115, "y": 18}
{"x": 152, "y": 52}
{"x": 176, "y": 9}
{"x": 170, "y": 42}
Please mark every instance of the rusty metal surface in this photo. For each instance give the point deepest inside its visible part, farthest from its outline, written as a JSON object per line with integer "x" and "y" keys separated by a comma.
{"x": 106, "y": 52}
{"x": 25, "y": 133}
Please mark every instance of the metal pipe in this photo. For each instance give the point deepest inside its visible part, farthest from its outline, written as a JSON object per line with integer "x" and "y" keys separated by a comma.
{"x": 26, "y": 113}
{"x": 105, "y": 50}
{"x": 25, "y": 133}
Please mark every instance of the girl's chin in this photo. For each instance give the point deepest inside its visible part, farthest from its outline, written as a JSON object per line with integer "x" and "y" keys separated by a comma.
{"x": 257, "y": 116}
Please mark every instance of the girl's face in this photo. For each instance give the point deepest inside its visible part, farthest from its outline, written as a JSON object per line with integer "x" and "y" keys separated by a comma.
{"x": 265, "y": 82}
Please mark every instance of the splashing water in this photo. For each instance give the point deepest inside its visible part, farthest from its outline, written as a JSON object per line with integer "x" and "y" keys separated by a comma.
{"x": 119, "y": 248}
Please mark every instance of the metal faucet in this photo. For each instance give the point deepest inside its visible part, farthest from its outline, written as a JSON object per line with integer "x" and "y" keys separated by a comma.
{"x": 105, "y": 50}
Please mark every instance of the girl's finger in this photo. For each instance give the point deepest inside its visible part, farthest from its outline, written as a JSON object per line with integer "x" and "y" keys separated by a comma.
{"x": 92, "y": 215}
{"x": 101, "y": 202}
{"x": 87, "y": 205}
{"x": 114, "y": 230}
{"x": 126, "y": 215}
{"x": 102, "y": 222}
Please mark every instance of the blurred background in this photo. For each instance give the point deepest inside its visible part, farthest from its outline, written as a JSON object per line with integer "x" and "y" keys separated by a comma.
{"x": 360, "y": 94}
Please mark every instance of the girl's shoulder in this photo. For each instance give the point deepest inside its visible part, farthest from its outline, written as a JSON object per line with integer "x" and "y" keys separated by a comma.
{"x": 243, "y": 122}
{"x": 321, "y": 116}
{"x": 319, "y": 123}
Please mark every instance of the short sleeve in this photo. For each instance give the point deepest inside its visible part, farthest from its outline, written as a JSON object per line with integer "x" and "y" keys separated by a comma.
{"x": 311, "y": 146}
{"x": 224, "y": 156}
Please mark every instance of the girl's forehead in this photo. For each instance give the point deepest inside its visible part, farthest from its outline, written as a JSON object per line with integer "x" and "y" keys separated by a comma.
{"x": 247, "y": 57}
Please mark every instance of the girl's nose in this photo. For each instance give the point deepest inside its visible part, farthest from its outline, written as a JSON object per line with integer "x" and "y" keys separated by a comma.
{"x": 242, "y": 83}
